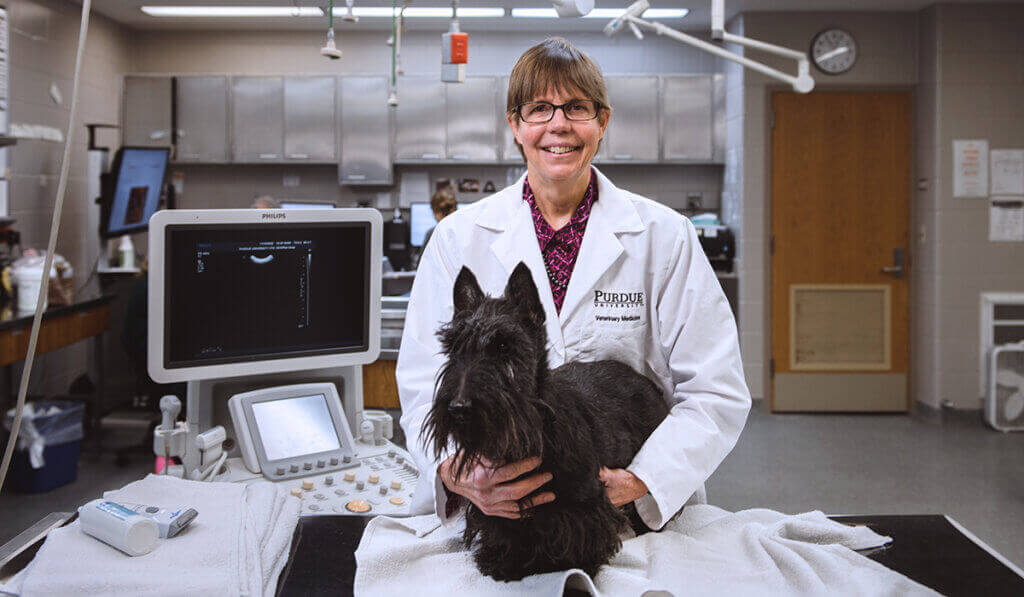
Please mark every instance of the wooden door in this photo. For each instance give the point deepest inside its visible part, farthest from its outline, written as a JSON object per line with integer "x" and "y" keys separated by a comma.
{"x": 840, "y": 227}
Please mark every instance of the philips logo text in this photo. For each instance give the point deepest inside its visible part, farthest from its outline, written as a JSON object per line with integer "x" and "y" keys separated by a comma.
{"x": 272, "y": 216}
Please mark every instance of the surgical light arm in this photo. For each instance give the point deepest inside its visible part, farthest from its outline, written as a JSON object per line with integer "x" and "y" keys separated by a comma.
{"x": 802, "y": 82}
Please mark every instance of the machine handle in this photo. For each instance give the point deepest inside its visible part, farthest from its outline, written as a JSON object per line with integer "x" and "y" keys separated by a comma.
{"x": 268, "y": 156}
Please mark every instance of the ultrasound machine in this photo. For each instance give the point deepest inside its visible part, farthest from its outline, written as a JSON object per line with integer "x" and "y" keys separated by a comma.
{"x": 268, "y": 316}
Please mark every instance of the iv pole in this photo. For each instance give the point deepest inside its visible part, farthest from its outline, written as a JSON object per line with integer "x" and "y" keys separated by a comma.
{"x": 802, "y": 83}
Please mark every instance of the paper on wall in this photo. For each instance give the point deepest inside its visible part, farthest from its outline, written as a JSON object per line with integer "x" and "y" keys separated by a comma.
{"x": 1006, "y": 219}
{"x": 970, "y": 168}
{"x": 414, "y": 188}
{"x": 1007, "y": 171}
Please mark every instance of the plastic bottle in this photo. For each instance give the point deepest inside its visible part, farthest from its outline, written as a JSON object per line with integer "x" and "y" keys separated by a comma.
{"x": 118, "y": 527}
{"x": 126, "y": 251}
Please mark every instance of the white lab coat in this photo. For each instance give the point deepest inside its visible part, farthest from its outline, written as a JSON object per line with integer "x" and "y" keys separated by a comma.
{"x": 642, "y": 291}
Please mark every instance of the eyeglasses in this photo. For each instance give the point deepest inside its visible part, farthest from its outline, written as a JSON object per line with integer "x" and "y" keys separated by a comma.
{"x": 540, "y": 112}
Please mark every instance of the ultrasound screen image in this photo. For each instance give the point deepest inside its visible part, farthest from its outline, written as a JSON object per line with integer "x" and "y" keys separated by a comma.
{"x": 254, "y": 292}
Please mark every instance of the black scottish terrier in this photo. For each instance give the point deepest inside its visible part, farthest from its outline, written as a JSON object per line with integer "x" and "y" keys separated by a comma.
{"x": 497, "y": 399}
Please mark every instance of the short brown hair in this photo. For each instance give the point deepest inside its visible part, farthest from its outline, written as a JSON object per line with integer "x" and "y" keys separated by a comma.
{"x": 443, "y": 202}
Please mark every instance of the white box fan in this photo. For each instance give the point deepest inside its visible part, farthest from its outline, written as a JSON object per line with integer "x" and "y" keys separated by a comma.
{"x": 1004, "y": 402}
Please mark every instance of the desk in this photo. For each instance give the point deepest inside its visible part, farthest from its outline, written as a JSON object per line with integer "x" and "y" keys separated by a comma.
{"x": 62, "y": 325}
{"x": 927, "y": 548}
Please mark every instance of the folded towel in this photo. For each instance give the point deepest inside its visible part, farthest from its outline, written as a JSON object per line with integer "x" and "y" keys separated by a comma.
{"x": 704, "y": 551}
{"x": 236, "y": 546}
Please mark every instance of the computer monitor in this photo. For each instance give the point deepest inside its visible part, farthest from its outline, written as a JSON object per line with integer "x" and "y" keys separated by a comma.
{"x": 421, "y": 219}
{"x": 245, "y": 292}
{"x": 132, "y": 195}
{"x": 298, "y": 204}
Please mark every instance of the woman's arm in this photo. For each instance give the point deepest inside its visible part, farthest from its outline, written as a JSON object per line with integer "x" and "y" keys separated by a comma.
{"x": 710, "y": 400}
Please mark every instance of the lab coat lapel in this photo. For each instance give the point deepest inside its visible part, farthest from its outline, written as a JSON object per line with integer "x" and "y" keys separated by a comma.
{"x": 517, "y": 241}
{"x": 612, "y": 213}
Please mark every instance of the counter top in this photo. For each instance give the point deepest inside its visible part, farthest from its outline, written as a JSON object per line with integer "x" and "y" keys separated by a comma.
{"x": 13, "y": 319}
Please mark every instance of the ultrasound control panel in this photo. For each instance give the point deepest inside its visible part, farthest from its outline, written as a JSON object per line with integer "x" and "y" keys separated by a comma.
{"x": 382, "y": 484}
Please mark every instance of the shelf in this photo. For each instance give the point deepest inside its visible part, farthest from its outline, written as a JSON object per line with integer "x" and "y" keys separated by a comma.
{"x": 118, "y": 270}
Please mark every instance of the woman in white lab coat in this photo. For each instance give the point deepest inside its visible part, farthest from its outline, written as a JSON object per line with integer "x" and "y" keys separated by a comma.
{"x": 620, "y": 277}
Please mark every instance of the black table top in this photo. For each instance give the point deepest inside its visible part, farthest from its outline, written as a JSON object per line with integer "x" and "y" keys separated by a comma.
{"x": 925, "y": 548}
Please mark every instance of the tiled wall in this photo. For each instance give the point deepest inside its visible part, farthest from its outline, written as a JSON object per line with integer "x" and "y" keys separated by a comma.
{"x": 888, "y": 48}
{"x": 972, "y": 85}
{"x": 44, "y": 37}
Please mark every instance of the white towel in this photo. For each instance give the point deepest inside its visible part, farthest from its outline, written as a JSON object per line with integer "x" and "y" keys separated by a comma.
{"x": 237, "y": 546}
{"x": 705, "y": 551}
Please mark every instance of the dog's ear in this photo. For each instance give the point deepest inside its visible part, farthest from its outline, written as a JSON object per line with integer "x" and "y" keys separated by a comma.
{"x": 523, "y": 293}
{"x": 467, "y": 293}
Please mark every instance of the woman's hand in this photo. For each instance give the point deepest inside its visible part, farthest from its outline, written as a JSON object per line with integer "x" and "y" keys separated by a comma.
{"x": 492, "y": 489}
{"x": 622, "y": 486}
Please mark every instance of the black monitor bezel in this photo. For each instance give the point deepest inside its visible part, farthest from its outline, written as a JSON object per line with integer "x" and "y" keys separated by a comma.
{"x": 109, "y": 187}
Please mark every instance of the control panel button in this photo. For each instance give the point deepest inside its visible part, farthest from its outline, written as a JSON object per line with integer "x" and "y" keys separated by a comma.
{"x": 391, "y": 453}
{"x": 307, "y": 485}
{"x": 358, "y": 506}
{"x": 339, "y": 492}
{"x": 374, "y": 478}
{"x": 346, "y": 459}
{"x": 320, "y": 496}
{"x": 334, "y": 461}
{"x": 398, "y": 501}
{"x": 308, "y": 466}
{"x": 400, "y": 459}
{"x": 294, "y": 468}
{"x": 383, "y": 490}
{"x": 360, "y": 485}
{"x": 350, "y": 477}
{"x": 297, "y": 492}
{"x": 280, "y": 471}
{"x": 328, "y": 480}
{"x": 396, "y": 484}
{"x": 321, "y": 463}
{"x": 314, "y": 508}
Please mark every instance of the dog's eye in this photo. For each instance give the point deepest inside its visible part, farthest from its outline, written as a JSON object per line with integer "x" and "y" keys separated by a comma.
{"x": 502, "y": 346}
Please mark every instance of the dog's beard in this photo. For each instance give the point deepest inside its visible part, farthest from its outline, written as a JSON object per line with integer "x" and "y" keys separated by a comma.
{"x": 501, "y": 428}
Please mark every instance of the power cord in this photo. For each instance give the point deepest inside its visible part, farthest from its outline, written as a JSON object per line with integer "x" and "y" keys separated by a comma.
{"x": 51, "y": 247}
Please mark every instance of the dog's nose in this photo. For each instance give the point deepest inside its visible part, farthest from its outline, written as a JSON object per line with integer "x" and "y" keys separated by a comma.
{"x": 459, "y": 406}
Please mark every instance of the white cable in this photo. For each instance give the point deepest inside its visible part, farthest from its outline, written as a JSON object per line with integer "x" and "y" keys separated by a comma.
{"x": 51, "y": 247}
{"x": 212, "y": 471}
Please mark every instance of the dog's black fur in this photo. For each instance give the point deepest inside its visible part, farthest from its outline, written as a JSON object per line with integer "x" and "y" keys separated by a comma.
{"x": 497, "y": 399}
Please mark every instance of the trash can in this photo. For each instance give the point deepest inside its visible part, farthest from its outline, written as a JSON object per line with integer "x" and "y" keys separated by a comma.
{"x": 46, "y": 456}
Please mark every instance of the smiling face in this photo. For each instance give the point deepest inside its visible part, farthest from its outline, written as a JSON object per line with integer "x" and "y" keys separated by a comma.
{"x": 560, "y": 150}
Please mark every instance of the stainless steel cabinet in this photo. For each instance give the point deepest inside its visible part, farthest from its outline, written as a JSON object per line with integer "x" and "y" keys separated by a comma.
{"x": 420, "y": 120}
{"x": 688, "y": 118}
{"x": 365, "y": 140}
{"x": 201, "y": 111}
{"x": 509, "y": 150}
{"x": 472, "y": 135}
{"x": 257, "y": 119}
{"x": 632, "y": 135}
{"x": 146, "y": 111}
{"x": 309, "y": 113}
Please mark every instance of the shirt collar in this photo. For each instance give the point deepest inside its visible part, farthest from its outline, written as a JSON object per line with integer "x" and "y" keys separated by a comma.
{"x": 545, "y": 233}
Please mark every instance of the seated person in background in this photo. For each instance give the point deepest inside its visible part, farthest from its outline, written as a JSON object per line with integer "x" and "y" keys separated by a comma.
{"x": 443, "y": 204}
{"x": 265, "y": 202}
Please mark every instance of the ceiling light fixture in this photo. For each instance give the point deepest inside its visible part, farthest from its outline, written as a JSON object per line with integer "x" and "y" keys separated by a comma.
{"x": 231, "y": 11}
{"x": 600, "y": 13}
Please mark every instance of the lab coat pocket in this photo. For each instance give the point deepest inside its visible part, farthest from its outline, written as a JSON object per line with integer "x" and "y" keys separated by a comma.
{"x": 618, "y": 340}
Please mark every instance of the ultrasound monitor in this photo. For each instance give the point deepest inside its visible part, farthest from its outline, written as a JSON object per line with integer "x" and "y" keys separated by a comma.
{"x": 133, "y": 196}
{"x": 247, "y": 292}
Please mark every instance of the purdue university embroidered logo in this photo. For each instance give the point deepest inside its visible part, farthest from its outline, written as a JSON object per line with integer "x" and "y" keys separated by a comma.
{"x": 619, "y": 299}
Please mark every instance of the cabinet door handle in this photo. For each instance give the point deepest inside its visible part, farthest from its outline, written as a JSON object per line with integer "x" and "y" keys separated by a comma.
{"x": 460, "y": 156}
{"x": 355, "y": 176}
{"x": 268, "y": 156}
{"x": 298, "y": 156}
{"x": 190, "y": 156}
{"x": 430, "y": 156}
{"x": 623, "y": 156}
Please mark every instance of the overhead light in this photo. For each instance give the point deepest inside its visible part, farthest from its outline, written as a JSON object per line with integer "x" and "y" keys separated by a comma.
{"x": 600, "y": 13}
{"x": 231, "y": 11}
{"x": 441, "y": 12}
{"x": 438, "y": 12}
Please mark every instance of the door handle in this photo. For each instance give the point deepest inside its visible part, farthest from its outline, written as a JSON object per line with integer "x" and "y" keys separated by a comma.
{"x": 896, "y": 269}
